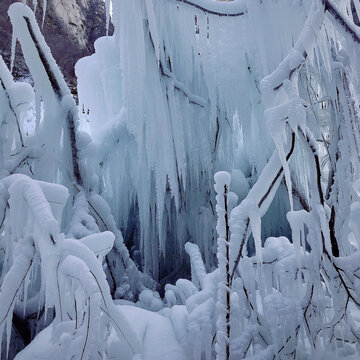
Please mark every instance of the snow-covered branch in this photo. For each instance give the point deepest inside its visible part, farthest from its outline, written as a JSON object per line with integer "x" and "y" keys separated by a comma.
{"x": 39, "y": 245}
{"x": 47, "y": 77}
{"x": 231, "y": 8}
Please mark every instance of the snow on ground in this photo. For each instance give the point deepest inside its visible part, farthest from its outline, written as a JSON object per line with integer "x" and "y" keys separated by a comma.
{"x": 155, "y": 332}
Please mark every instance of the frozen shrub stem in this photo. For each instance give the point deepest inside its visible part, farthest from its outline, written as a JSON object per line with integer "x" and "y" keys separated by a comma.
{"x": 222, "y": 182}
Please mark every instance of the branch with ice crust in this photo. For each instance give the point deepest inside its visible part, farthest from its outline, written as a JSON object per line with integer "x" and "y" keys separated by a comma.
{"x": 340, "y": 19}
{"x": 23, "y": 193}
{"x": 223, "y": 198}
{"x": 338, "y": 272}
{"x": 232, "y": 8}
{"x": 297, "y": 55}
{"x": 46, "y": 72}
{"x": 279, "y": 79}
{"x": 255, "y": 205}
{"x": 62, "y": 261}
{"x": 18, "y": 97}
{"x": 262, "y": 193}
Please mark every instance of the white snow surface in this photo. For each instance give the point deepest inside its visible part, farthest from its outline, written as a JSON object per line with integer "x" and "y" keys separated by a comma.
{"x": 158, "y": 340}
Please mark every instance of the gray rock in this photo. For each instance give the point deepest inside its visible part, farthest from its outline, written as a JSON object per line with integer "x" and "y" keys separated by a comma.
{"x": 70, "y": 29}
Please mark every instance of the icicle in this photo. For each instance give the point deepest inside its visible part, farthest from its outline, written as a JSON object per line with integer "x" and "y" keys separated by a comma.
{"x": 37, "y": 110}
{"x": 107, "y": 8}
{"x": 44, "y": 12}
{"x": 297, "y": 219}
{"x": 13, "y": 49}
{"x": 278, "y": 129}
{"x": 357, "y": 8}
{"x": 8, "y": 329}
{"x": 25, "y": 294}
{"x": 153, "y": 28}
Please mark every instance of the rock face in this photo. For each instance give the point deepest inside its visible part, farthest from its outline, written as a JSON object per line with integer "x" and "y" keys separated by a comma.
{"x": 70, "y": 29}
